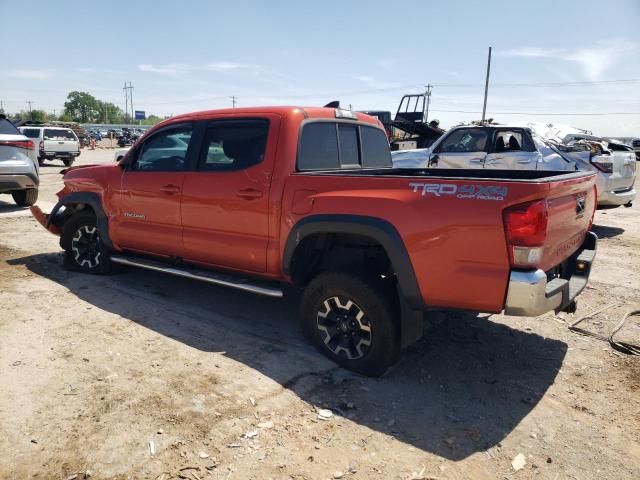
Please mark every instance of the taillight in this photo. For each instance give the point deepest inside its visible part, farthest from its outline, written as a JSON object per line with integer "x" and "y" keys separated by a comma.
{"x": 26, "y": 144}
{"x": 525, "y": 227}
{"x": 602, "y": 164}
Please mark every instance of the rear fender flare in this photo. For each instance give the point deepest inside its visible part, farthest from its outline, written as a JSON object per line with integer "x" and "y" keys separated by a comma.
{"x": 375, "y": 228}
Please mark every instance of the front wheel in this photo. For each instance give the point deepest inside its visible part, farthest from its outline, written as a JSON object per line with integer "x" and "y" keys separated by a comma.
{"x": 25, "y": 198}
{"x": 353, "y": 321}
{"x": 84, "y": 249}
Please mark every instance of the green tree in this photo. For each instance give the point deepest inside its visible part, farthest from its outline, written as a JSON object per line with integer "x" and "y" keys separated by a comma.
{"x": 82, "y": 107}
{"x": 34, "y": 115}
{"x": 151, "y": 120}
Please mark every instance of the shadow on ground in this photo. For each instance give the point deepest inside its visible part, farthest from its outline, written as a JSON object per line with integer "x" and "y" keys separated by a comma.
{"x": 460, "y": 390}
{"x": 9, "y": 207}
{"x": 604, "y": 231}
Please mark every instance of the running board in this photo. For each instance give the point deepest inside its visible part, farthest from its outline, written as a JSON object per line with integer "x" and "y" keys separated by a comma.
{"x": 205, "y": 276}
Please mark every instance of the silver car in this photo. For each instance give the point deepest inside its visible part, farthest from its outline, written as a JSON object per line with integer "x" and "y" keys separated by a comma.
{"x": 19, "y": 174}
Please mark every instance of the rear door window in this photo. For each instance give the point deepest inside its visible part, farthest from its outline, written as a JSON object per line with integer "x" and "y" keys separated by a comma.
{"x": 233, "y": 145}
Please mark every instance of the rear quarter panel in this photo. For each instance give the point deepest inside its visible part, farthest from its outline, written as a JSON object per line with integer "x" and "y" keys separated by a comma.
{"x": 456, "y": 244}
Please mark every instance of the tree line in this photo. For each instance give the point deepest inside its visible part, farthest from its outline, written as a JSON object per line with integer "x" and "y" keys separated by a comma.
{"x": 83, "y": 107}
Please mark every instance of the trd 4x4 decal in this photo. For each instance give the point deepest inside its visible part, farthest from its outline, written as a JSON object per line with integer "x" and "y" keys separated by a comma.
{"x": 478, "y": 192}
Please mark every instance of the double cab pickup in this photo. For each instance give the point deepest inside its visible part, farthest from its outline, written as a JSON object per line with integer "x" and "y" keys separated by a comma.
{"x": 256, "y": 198}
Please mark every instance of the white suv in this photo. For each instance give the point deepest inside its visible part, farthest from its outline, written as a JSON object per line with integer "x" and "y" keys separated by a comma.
{"x": 53, "y": 142}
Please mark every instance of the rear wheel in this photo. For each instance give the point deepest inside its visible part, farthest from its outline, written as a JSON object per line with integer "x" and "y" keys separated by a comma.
{"x": 84, "y": 249}
{"x": 352, "y": 320}
{"x": 68, "y": 161}
{"x": 25, "y": 198}
{"x": 40, "y": 161}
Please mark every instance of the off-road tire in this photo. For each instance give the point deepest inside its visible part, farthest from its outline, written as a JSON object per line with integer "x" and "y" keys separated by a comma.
{"x": 25, "y": 198}
{"x": 331, "y": 292}
{"x": 68, "y": 161}
{"x": 84, "y": 249}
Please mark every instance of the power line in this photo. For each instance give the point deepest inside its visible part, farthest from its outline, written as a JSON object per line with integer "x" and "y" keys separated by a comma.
{"x": 545, "y": 113}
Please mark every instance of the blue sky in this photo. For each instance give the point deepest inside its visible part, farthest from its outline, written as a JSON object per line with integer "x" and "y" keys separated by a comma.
{"x": 189, "y": 55}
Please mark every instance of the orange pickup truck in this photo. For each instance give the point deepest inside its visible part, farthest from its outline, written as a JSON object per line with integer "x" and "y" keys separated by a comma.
{"x": 254, "y": 198}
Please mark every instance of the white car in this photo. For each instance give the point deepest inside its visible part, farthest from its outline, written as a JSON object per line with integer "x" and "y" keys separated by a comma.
{"x": 486, "y": 146}
{"x": 119, "y": 154}
{"x": 532, "y": 147}
{"x": 19, "y": 174}
{"x": 53, "y": 142}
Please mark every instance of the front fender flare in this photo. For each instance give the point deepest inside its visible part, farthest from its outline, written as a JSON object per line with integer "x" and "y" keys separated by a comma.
{"x": 93, "y": 200}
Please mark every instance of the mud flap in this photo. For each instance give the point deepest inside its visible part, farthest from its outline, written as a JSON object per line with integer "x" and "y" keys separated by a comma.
{"x": 411, "y": 323}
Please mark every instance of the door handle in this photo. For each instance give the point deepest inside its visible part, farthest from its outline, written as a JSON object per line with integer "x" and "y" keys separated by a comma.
{"x": 170, "y": 189}
{"x": 475, "y": 160}
{"x": 249, "y": 193}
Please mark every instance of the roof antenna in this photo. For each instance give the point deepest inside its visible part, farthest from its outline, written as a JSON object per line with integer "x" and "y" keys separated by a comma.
{"x": 334, "y": 104}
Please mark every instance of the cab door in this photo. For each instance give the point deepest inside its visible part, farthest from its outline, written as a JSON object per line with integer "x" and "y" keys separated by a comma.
{"x": 512, "y": 149}
{"x": 461, "y": 148}
{"x": 148, "y": 200}
{"x": 225, "y": 201}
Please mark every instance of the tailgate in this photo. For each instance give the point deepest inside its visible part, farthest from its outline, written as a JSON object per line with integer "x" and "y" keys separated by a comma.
{"x": 571, "y": 205}
{"x": 59, "y": 141}
{"x": 624, "y": 171}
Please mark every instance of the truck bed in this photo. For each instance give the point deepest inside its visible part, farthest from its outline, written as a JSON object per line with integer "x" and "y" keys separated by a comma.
{"x": 458, "y": 173}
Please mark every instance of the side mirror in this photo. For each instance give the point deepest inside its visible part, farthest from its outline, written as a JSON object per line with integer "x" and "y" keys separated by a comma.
{"x": 433, "y": 160}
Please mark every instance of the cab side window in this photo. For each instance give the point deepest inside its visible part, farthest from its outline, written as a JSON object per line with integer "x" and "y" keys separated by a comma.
{"x": 166, "y": 151}
{"x": 513, "y": 141}
{"x": 230, "y": 145}
{"x": 465, "y": 140}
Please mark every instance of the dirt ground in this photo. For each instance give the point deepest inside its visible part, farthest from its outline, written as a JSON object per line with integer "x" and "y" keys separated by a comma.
{"x": 144, "y": 376}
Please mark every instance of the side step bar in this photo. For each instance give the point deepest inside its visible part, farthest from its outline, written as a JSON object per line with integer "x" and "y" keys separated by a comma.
{"x": 205, "y": 276}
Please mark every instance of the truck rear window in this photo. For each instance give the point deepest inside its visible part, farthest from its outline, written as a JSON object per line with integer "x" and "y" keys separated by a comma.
{"x": 335, "y": 145}
{"x": 53, "y": 134}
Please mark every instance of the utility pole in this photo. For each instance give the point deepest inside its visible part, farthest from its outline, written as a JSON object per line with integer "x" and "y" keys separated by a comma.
{"x": 486, "y": 86}
{"x": 126, "y": 102}
{"x": 233, "y": 100}
{"x": 428, "y": 94}
{"x": 128, "y": 99}
{"x": 30, "y": 111}
{"x": 1, "y": 106}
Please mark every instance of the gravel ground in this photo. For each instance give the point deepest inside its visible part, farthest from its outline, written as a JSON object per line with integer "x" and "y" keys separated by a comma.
{"x": 140, "y": 375}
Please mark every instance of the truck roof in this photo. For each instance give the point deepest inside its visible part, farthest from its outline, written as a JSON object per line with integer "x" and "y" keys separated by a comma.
{"x": 309, "y": 112}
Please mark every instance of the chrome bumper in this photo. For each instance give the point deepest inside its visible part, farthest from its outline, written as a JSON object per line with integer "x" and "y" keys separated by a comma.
{"x": 530, "y": 293}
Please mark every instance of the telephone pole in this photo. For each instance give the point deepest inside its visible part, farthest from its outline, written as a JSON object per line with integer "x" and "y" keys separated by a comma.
{"x": 486, "y": 86}
{"x": 128, "y": 99}
{"x": 233, "y": 101}
{"x": 30, "y": 111}
{"x": 428, "y": 94}
{"x": 1, "y": 106}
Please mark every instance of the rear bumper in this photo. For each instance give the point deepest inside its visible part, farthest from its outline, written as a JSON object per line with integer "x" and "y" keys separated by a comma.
{"x": 52, "y": 155}
{"x": 531, "y": 294}
{"x": 616, "y": 198}
{"x": 19, "y": 181}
